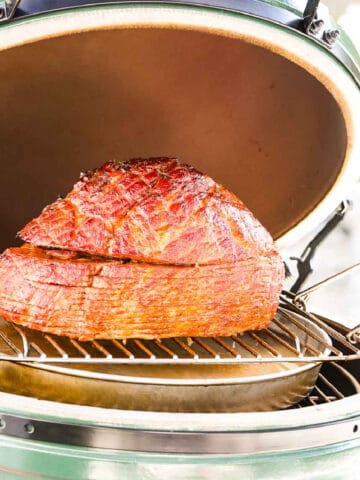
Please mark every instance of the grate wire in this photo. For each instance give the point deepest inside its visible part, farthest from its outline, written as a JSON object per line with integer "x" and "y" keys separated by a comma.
{"x": 290, "y": 338}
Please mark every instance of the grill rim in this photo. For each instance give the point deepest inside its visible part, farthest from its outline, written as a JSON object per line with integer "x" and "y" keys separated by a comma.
{"x": 323, "y": 414}
{"x": 243, "y": 439}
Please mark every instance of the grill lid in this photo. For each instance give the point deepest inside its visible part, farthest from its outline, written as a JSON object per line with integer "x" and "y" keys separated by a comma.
{"x": 276, "y": 106}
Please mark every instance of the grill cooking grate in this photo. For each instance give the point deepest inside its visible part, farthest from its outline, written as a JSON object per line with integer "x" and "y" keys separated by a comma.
{"x": 289, "y": 339}
{"x": 333, "y": 383}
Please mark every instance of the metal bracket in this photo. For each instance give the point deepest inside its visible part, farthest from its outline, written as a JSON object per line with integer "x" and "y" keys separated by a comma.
{"x": 304, "y": 261}
{"x": 310, "y": 14}
{"x": 354, "y": 335}
{"x": 7, "y": 9}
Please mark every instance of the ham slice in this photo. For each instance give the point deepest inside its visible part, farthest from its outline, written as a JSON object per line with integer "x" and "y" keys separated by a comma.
{"x": 87, "y": 298}
{"x": 146, "y": 248}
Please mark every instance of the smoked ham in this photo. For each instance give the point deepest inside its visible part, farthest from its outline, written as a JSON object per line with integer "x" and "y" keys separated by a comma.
{"x": 148, "y": 249}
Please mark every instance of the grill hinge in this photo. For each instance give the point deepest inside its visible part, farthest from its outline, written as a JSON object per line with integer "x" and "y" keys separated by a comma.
{"x": 310, "y": 15}
{"x": 320, "y": 28}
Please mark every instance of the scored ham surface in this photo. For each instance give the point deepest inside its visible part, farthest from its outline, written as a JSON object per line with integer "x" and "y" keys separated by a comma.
{"x": 155, "y": 210}
{"x": 146, "y": 248}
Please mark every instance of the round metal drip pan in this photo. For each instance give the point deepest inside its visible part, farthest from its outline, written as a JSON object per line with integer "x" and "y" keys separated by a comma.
{"x": 229, "y": 387}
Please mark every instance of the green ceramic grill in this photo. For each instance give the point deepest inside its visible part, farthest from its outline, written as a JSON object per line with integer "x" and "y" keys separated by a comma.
{"x": 264, "y": 97}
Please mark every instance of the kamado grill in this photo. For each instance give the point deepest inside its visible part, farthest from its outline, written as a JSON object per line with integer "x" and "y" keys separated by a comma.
{"x": 263, "y": 96}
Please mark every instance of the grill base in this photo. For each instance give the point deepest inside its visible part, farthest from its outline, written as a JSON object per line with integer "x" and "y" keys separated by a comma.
{"x": 324, "y": 439}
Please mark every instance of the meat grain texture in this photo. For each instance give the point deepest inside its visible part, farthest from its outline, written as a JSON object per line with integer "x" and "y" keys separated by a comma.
{"x": 146, "y": 248}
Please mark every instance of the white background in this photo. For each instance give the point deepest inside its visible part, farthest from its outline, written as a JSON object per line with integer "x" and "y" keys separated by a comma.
{"x": 348, "y": 14}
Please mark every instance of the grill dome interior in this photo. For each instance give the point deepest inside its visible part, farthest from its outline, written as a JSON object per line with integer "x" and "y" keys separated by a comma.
{"x": 259, "y": 124}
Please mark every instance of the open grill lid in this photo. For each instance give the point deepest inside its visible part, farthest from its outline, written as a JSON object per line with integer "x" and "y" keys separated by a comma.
{"x": 269, "y": 110}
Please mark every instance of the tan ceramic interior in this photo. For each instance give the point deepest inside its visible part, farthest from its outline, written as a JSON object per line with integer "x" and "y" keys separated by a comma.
{"x": 254, "y": 121}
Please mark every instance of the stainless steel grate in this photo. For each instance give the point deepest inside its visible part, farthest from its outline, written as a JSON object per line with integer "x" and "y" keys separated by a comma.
{"x": 290, "y": 338}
